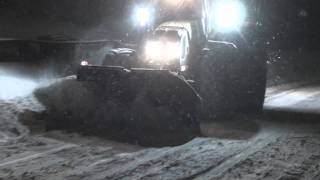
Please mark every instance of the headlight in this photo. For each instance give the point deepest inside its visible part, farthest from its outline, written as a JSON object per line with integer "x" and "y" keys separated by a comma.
{"x": 143, "y": 16}
{"x": 153, "y": 50}
{"x": 228, "y": 15}
{"x": 162, "y": 52}
{"x": 84, "y": 63}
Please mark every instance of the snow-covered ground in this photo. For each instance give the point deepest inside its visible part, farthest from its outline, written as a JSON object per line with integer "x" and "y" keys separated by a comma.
{"x": 255, "y": 148}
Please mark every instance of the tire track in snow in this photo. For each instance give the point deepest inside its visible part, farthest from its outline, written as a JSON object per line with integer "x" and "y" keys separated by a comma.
{"x": 4, "y": 138}
{"x": 215, "y": 172}
{"x": 37, "y": 155}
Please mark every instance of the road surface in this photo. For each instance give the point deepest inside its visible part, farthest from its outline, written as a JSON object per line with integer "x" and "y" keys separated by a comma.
{"x": 284, "y": 143}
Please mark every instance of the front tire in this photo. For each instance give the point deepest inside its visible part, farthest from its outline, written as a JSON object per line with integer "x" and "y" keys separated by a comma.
{"x": 230, "y": 80}
{"x": 254, "y": 82}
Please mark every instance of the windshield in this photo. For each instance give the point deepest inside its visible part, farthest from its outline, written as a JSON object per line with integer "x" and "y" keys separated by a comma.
{"x": 171, "y": 35}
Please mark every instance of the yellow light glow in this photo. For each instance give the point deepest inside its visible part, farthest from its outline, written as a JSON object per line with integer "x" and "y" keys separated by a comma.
{"x": 162, "y": 52}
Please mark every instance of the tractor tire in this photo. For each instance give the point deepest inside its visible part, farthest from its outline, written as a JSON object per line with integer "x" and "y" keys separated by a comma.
{"x": 254, "y": 82}
{"x": 230, "y": 81}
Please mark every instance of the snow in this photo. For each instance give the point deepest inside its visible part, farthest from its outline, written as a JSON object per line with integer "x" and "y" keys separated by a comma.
{"x": 246, "y": 148}
{"x": 13, "y": 87}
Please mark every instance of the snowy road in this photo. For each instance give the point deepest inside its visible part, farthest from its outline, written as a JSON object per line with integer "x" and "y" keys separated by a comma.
{"x": 296, "y": 96}
{"x": 283, "y": 144}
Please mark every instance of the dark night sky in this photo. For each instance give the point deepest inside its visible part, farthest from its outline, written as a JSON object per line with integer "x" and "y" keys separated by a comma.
{"x": 287, "y": 21}
{"x": 293, "y": 20}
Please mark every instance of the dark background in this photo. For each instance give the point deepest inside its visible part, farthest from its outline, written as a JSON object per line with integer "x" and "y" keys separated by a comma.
{"x": 78, "y": 18}
{"x": 84, "y": 12}
{"x": 289, "y": 29}
{"x": 288, "y": 23}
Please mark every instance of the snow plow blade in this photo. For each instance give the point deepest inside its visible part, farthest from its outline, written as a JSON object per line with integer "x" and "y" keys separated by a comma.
{"x": 147, "y": 107}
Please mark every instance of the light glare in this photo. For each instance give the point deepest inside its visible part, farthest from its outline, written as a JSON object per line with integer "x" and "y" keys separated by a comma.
{"x": 162, "y": 51}
{"x": 143, "y": 16}
{"x": 153, "y": 50}
{"x": 15, "y": 87}
{"x": 84, "y": 63}
{"x": 228, "y": 15}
